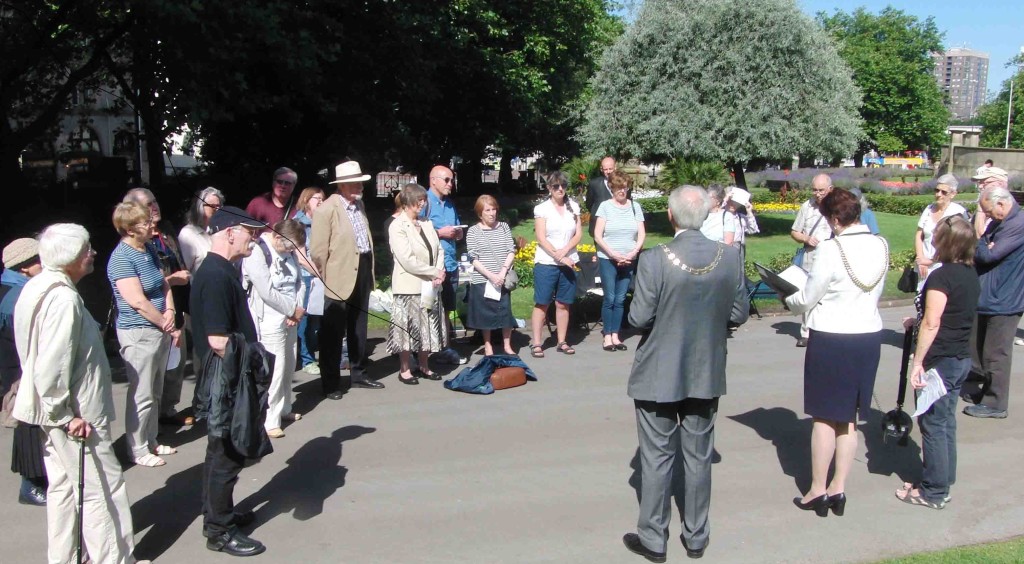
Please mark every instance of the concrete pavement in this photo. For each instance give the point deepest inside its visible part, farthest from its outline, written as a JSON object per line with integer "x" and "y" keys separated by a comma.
{"x": 546, "y": 472}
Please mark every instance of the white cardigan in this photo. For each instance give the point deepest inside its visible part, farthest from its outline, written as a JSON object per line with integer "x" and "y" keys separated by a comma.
{"x": 833, "y": 302}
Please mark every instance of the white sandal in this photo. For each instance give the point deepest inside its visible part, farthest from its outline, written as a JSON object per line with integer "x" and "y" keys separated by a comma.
{"x": 150, "y": 460}
{"x": 164, "y": 450}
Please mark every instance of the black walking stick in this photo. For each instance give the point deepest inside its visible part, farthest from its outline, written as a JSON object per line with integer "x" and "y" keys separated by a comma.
{"x": 81, "y": 496}
{"x": 897, "y": 424}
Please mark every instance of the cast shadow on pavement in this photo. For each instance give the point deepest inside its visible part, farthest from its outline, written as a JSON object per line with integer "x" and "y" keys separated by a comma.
{"x": 168, "y": 512}
{"x": 313, "y": 474}
{"x": 791, "y": 328}
{"x": 791, "y": 436}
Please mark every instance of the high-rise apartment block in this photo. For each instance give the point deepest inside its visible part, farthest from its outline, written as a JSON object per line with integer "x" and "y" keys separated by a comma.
{"x": 962, "y": 74}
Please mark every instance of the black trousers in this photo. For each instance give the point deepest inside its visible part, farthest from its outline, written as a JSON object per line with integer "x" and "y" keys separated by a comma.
{"x": 220, "y": 474}
{"x": 346, "y": 318}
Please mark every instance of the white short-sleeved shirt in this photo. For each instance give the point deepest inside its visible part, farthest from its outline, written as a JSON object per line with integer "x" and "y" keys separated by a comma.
{"x": 719, "y": 223}
{"x": 927, "y": 226}
{"x": 559, "y": 228}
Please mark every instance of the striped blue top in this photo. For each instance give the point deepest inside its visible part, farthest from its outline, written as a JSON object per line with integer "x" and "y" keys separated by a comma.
{"x": 126, "y": 262}
{"x": 621, "y": 225}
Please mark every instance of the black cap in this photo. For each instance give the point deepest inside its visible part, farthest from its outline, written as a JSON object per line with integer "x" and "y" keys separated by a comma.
{"x": 230, "y": 216}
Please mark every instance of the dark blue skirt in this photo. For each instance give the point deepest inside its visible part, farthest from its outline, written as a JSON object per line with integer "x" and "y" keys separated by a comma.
{"x": 839, "y": 374}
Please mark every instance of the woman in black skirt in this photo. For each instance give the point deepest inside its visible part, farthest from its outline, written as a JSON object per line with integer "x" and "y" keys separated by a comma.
{"x": 841, "y": 302}
{"x": 492, "y": 250}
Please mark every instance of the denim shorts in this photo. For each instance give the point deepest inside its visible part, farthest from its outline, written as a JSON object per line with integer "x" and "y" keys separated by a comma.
{"x": 550, "y": 280}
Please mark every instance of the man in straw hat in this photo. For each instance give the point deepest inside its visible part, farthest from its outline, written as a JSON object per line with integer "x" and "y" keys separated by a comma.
{"x": 342, "y": 250}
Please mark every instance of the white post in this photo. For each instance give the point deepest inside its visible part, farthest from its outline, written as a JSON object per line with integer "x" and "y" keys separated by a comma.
{"x": 1009, "y": 113}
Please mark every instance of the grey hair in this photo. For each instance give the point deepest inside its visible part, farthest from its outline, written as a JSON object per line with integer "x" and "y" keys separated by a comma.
{"x": 411, "y": 194}
{"x": 195, "y": 215}
{"x": 133, "y": 195}
{"x": 949, "y": 181}
{"x": 558, "y": 177}
{"x": 861, "y": 198}
{"x": 61, "y": 243}
{"x": 996, "y": 194}
{"x": 284, "y": 170}
{"x": 717, "y": 191}
{"x": 689, "y": 206}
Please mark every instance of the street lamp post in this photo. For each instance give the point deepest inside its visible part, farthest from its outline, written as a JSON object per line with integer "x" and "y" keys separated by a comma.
{"x": 1009, "y": 109}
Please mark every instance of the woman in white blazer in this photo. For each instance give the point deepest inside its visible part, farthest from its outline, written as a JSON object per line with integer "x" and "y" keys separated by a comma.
{"x": 417, "y": 317}
{"x": 841, "y": 302}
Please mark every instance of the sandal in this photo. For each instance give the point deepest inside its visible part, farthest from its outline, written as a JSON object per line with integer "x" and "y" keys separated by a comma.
{"x": 164, "y": 450}
{"x": 536, "y": 351}
{"x": 150, "y": 460}
{"x": 915, "y": 499}
{"x": 907, "y": 486}
{"x": 564, "y": 348}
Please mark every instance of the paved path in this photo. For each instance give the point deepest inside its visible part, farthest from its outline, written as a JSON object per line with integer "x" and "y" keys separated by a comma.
{"x": 545, "y": 473}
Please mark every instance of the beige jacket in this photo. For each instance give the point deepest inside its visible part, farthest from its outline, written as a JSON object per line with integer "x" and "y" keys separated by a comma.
{"x": 333, "y": 248}
{"x": 412, "y": 258}
{"x": 65, "y": 369}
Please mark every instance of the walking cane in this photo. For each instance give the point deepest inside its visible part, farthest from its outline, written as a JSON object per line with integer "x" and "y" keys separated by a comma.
{"x": 81, "y": 496}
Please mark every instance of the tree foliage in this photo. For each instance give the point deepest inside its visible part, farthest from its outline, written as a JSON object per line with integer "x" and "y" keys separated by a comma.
{"x": 992, "y": 116}
{"x": 722, "y": 80}
{"x": 890, "y": 54}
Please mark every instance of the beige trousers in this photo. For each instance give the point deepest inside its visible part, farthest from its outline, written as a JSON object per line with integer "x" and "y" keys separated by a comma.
{"x": 107, "y": 526}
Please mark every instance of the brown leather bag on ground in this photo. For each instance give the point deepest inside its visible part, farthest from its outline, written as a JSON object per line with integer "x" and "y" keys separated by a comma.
{"x": 508, "y": 377}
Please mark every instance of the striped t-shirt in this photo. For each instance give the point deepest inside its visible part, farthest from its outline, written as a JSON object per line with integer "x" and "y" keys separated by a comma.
{"x": 620, "y": 225}
{"x": 126, "y": 262}
{"x": 489, "y": 246}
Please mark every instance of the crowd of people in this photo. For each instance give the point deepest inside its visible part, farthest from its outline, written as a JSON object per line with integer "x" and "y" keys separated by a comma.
{"x": 282, "y": 286}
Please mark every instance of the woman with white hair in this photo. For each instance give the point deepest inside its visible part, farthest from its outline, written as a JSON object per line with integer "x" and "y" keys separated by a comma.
{"x": 194, "y": 240}
{"x": 721, "y": 224}
{"x": 942, "y": 207}
{"x": 66, "y": 389}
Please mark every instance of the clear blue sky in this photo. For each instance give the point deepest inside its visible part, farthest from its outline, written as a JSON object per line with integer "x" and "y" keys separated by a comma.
{"x": 995, "y": 26}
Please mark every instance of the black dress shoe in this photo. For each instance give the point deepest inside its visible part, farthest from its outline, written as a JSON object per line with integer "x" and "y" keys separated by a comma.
{"x": 609, "y": 348}
{"x": 335, "y": 395}
{"x": 410, "y": 381}
{"x": 368, "y": 384}
{"x": 695, "y": 553}
{"x": 33, "y": 495}
{"x": 632, "y": 542}
{"x": 818, "y": 505}
{"x": 235, "y": 544}
{"x": 621, "y": 347}
{"x": 801, "y": 342}
{"x": 432, "y": 376}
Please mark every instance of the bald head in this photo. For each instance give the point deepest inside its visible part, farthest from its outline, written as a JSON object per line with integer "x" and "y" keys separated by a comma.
{"x": 607, "y": 166}
{"x": 441, "y": 181}
{"x": 821, "y": 185}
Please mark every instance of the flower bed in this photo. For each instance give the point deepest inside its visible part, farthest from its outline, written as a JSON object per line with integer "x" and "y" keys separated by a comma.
{"x": 523, "y": 262}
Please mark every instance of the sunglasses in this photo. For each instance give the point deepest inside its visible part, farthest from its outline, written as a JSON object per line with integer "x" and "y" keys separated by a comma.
{"x": 445, "y": 179}
{"x": 557, "y": 186}
{"x": 943, "y": 192}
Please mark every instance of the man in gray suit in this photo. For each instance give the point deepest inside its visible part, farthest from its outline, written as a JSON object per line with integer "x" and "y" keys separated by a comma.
{"x": 687, "y": 293}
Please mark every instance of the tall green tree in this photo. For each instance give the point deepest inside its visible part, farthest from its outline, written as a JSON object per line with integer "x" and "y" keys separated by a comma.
{"x": 890, "y": 54}
{"x": 992, "y": 116}
{"x": 722, "y": 80}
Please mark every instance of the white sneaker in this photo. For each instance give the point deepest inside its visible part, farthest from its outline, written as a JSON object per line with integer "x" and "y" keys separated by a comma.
{"x": 312, "y": 368}
{"x": 1018, "y": 341}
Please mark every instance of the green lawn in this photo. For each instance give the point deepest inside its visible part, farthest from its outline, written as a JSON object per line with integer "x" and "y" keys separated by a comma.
{"x": 995, "y": 553}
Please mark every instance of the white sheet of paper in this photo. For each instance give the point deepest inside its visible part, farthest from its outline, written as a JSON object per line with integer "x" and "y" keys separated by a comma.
{"x": 491, "y": 292}
{"x": 428, "y": 294}
{"x": 933, "y": 390}
{"x": 315, "y": 306}
{"x": 795, "y": 276}
{"x": 173, "y": 358}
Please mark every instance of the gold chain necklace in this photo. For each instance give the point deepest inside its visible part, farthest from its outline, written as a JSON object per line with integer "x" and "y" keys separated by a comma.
{"x": 695, "y": 271}
{"x": 849, "y": 270}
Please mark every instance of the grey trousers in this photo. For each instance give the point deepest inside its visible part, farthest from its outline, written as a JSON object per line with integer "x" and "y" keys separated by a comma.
{"x": 664, "y": 429}
{"x": 144, "y": 351}
{"x": 992, "y": 355}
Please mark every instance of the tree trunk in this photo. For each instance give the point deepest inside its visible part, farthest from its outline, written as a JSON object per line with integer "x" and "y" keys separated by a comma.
{"x": 739, "y": 177}
{"x": 505, "y": 182}
{"x": 858, "y": 158}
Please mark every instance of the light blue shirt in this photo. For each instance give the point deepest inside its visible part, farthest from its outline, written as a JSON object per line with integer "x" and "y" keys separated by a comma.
{"x": 442, "y": 214}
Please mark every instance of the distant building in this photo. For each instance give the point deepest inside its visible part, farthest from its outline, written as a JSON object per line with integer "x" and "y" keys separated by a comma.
{"x": 963, "y": 75}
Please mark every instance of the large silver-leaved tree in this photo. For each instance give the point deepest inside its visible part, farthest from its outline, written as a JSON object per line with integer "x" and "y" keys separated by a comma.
{"x": 724, "y": 80}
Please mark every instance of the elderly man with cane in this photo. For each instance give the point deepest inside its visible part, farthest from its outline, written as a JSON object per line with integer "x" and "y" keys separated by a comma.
{"x": 66, "y": 390}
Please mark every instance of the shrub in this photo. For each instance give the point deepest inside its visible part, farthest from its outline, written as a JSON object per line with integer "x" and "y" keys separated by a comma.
{"x": 652, "y": 205}
{"x": 686, "y": 171}
{"x": 580, "y": 170}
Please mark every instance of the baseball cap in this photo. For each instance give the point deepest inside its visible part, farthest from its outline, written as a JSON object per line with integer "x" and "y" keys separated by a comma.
{"x": 230, "y": 216}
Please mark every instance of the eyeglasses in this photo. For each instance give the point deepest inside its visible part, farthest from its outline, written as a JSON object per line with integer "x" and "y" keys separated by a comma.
{"x": 940, "y": 191}
{"x": 283, "y": 182}
{"x": 212, "y": 206}
{"x": 318, "y": 198}
{"x": 445, "y": 179}
{"x": 251, "y": 232}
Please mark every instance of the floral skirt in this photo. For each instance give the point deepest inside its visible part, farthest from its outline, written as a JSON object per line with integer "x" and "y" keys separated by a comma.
{"x": 415, "y": 328}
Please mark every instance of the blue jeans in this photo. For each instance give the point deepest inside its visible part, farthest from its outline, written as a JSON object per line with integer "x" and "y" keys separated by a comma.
{"x": 614, "y": 283}
{"x": 309, "y": 325}
{"x": 938, "y": 431}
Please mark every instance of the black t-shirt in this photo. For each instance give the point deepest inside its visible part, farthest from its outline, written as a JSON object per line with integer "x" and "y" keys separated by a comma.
{"x": 960, "y": 284}
{"x": 218, "y": 303}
